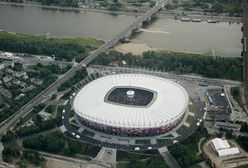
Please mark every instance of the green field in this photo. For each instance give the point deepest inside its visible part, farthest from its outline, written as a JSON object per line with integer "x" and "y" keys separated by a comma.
{"x": 61, "y": 48}
{"x": 88, "y": 133}
{"x": 29, "y": 38}
{"x": 192, "y": 108}
{"x": 143, "y": 141}
{"x": 190, "y": 119}
{"x": 181, "y": 129}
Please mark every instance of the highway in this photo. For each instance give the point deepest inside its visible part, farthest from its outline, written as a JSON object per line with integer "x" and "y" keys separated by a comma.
{"x": 8, "y": 123}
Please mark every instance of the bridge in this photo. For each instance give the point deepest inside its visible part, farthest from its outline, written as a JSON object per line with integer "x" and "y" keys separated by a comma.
{"x": 127, "y": 32}
{"x": 24, "y": 110}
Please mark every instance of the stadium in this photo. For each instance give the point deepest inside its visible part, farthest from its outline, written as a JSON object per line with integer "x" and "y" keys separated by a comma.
{"x": 133, "y": 105}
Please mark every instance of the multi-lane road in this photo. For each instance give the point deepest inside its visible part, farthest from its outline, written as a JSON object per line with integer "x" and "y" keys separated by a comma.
{"x": 7, "y": 124}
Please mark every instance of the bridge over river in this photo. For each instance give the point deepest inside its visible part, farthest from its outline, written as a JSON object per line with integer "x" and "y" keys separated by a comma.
{"x": 24, "y": 110}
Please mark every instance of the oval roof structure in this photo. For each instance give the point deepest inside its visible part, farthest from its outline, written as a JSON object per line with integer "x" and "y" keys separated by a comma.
{"x": 169, "y": 102}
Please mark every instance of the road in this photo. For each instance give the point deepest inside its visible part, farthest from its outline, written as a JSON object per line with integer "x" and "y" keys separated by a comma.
{"x": 210, "y": 81}
{"x": 7, "y": 124}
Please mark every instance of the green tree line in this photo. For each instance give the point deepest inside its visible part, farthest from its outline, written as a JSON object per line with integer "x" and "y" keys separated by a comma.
{"x": 179, "y": 63}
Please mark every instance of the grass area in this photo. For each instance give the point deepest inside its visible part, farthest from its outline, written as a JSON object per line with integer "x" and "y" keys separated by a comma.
{"x": 244, "y": 166}
{"x": 143, "y": 141}
{"x": 51, "y": 109}
{"x": 196, "y": 166}
{"x": 122, "y": 165}
{"x": 71, "y": 113}
{"x": 125, "y": 156}
{"x": 81, "y": 41}
{"x": 88, "y": 133}
{"x": 181, "y": 129}
{"x": 162, "y": 141}
{"x": 190, "y": 119}
{"x": 168, "y": 136}
{"x": 54, "y": 114}
{"x": 75, "y": 127}
{"x": 140, "y": 159}
{"x": 202, "y": 144}
{"x": 67, "y": 48}
{"x": 192, "y": 108}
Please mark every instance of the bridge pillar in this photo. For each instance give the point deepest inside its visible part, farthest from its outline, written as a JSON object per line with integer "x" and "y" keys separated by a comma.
{"x": 147, "y": 21}
{"x": 137, "y": 29}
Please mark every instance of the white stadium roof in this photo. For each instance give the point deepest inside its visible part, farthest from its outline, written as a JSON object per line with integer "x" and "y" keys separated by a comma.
{"x": 170, "y": 102}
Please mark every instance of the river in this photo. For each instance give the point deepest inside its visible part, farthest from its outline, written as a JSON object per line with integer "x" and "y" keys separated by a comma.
{"x": 221, "y": 39}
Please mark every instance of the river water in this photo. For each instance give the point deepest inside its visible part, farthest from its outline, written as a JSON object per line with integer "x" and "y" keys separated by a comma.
{"x": 220, "y": 39}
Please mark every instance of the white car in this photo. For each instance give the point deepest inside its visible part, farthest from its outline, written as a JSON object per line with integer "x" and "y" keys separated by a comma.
{"x": 137, "y": 148}
{"x": 63, "y": 111}
{"x": 77, "y": 136}
{"x": 175, "y": 141}
{"x": 73, "y": 133}
{"x": 198, "y": 124}
{"x": 63, "y": 117}
{"x": 149, "y": 148}
{"x": 200, "y": 120}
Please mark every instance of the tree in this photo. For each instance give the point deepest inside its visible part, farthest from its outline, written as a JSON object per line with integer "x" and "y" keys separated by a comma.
{"x": 33, "y": 157}
{"x": 9, "y": 153}
{"x": 217, "y": 7}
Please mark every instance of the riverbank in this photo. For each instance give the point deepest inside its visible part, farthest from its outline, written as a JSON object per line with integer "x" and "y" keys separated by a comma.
{"x": 163, "y": 14}
{"x": 134, "y": 47}
{"x": 61, "y": 48}
{"x": 74, "y": 9}
{"x": 138, "y": 48}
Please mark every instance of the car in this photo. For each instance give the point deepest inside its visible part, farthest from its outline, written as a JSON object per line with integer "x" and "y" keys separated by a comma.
{"x": 73, "y": 133}
{"x": 77, "y": 136}
{"x": 198, "y": 124}
{"x": 63, "y": 117}
{"x": 137, "y": 148}
{"x": 63, "y": 111}
{"x": 149, "y": 148}
{"x": 200, "y": 120}
{"x": 175, "y": 141}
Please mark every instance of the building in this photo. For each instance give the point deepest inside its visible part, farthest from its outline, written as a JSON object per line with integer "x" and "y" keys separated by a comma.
{"x": 245, "y": 51}
{"x": 36, "y": 81}
{"x": 223, "y": 148}
{"x": 19, "y": 74}
{"x": 228, "y": 126}
{"x": 44, "y": 115}
{"x": 5, "y": 93}
{"x": 7, "y": 79}
{"x": 1, "y": 66}
{"x": 131, "y": 105}
{"x": 224, "y": 154}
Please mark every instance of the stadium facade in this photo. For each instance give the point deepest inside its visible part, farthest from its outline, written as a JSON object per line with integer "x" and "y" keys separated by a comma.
{"x": 245, "y": 52}
{"x": 131, "y": 105}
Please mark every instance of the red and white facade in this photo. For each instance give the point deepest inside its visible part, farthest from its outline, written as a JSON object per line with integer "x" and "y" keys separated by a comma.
{"x": 164, "y": 113}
